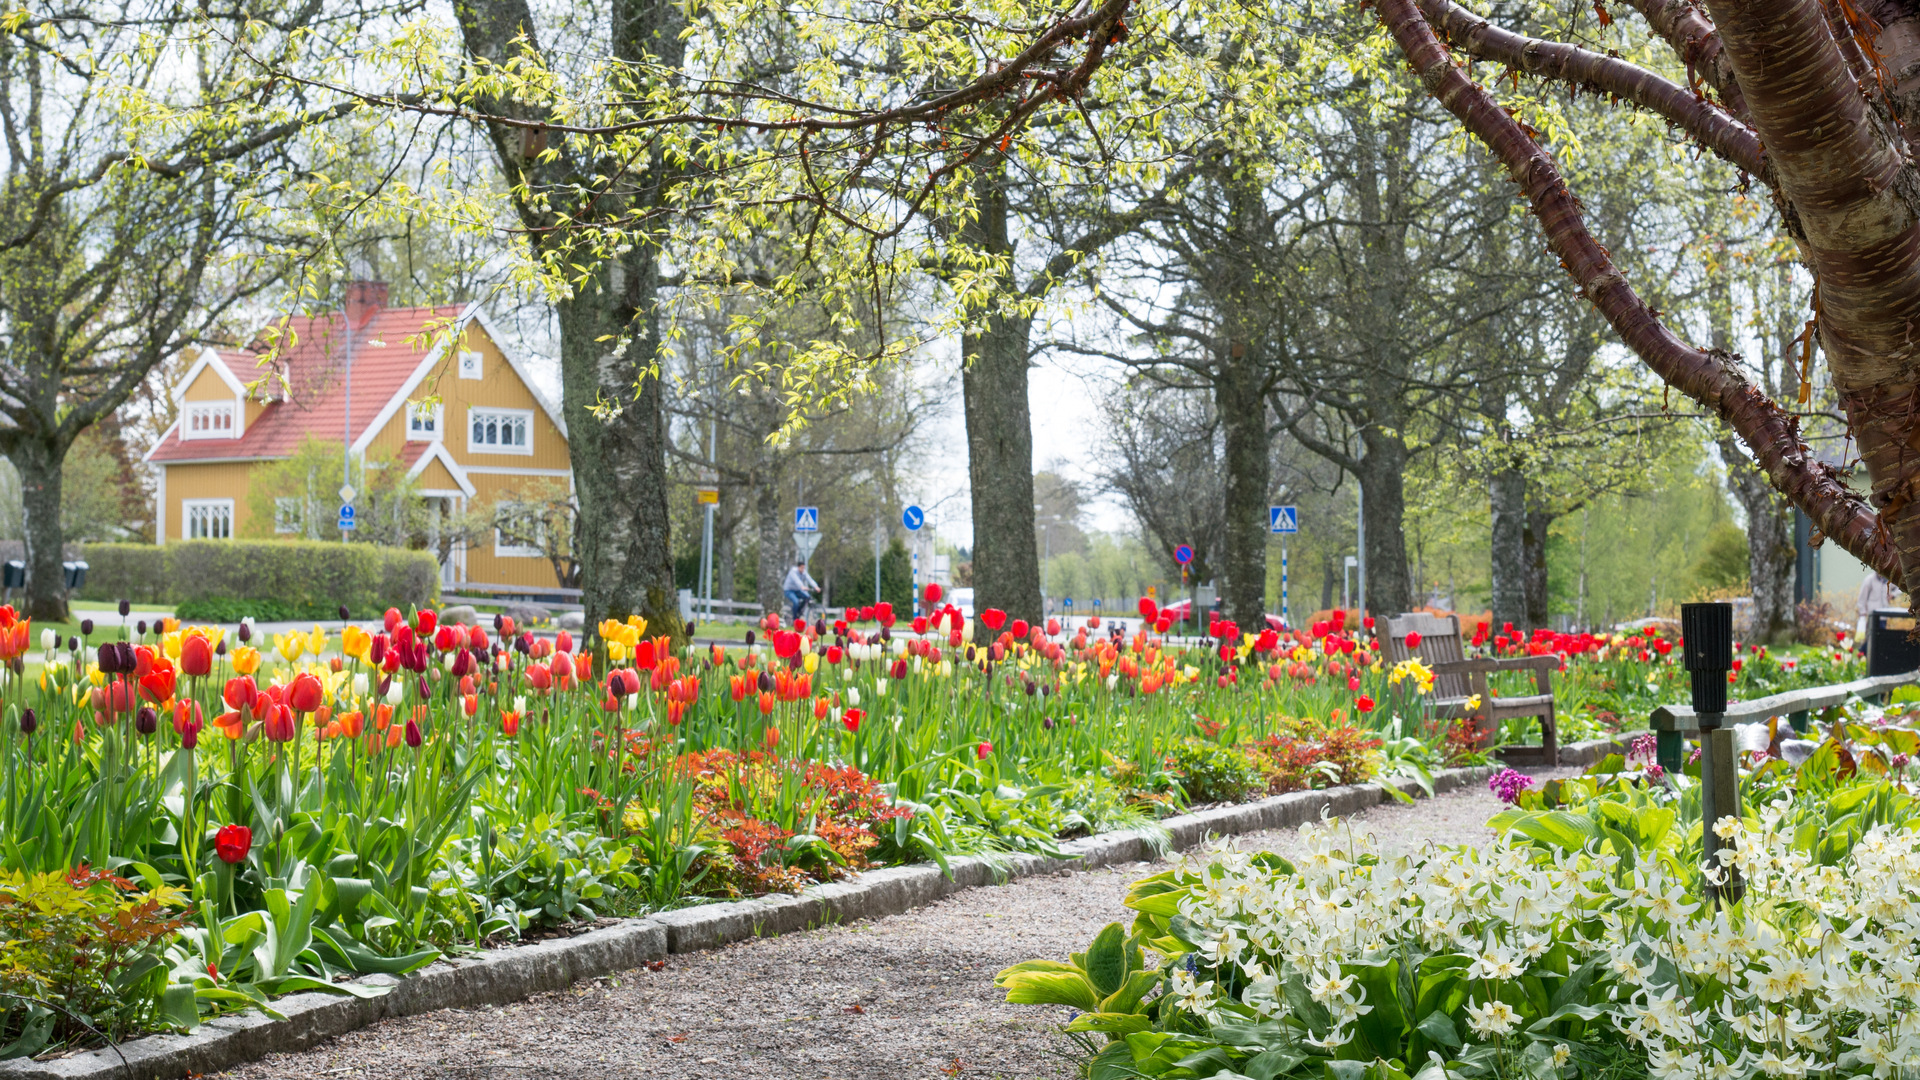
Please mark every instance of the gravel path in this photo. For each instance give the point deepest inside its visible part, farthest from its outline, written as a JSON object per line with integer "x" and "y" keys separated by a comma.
{"x": 910, "y": 996}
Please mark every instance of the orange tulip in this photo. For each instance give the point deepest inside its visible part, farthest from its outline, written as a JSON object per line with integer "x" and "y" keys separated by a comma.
{"x": 766, "y": 702}
{"x": 510, "y": 723}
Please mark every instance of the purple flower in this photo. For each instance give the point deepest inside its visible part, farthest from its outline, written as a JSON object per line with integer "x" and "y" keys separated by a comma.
{"x": 1508, "y": 784}
{"x": 1643, "y": 746}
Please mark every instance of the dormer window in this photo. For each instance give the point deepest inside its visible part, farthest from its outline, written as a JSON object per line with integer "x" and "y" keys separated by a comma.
{"x": 209, "y": 420}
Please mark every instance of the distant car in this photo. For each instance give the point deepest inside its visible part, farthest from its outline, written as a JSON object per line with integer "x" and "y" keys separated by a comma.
{"x": 962, "y": 599}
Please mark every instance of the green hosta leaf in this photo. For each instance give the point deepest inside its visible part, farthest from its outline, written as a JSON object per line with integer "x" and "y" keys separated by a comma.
{"x": 179, "y": 1004}
{"x": 1052, "y": 988}
{"x": 1032, "y": 965}
{"x": 1107, "y": 959}
{"x": 1557, "y": 827}
{"x": 1273, "y": 1063}
{"x": 1117, "y": 1024}
{"x": 1127, "y": 998}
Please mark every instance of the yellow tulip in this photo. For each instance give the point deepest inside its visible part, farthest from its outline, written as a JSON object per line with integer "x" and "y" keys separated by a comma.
{"x": 316, "y": 641}
{"x": 246, "y": 659}
{"x": 811, "y": 662}
{"x": 95, "y": 675}
{"x": 357, "y": 643}
{"x": 290, "y": 645}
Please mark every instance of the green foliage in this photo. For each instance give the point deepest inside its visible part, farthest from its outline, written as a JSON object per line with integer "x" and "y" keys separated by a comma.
{"x": 544, "y": 871}
{"x": 855, "y": 589}
{"x": 1108, "y": 984}
{"x": 1723, "y": 557}
{"x": 221, "y": 580}
{"x": 79, "y": 957}
{"x": 388, "y": 505}
{"x": 1210, "y": 772}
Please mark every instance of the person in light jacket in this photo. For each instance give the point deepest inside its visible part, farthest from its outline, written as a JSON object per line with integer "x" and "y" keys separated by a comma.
{"x": 1876, "y": 592}
{"x": 798, "y": 584}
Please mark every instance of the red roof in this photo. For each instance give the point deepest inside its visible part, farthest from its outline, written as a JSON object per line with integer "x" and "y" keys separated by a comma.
{"x": 316, "y": 365}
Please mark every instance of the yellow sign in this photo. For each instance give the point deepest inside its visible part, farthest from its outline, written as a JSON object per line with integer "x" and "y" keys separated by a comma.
{"x": 706, "y": 494}
{"x": 1153, "y": 592}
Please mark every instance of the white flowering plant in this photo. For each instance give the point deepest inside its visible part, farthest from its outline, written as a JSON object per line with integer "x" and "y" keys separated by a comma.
{"x": 1526, "y": 961}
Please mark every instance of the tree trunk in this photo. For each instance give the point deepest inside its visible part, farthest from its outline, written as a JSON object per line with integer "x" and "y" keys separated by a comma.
{"x": 39, "y": 468}
{"x": 772, "y": 563}
{"x": 1507, "y": 498}
{"x": 1006, "y": 562}
{"x": 1327, "y": 579}
{"x": 618, "y": 454}
{"x": 1383, "y": 484}
{"x": 1770, "y": 550}
{"x": 1533, "y": 546}
{"x": 1241, "y": 405}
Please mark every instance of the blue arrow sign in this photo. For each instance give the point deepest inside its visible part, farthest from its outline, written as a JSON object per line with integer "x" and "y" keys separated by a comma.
{"x": 347, "y": 524}
{"x": 806, "y": 519}
{"x": 913, "y": 517}
{"x": 1096, "y": 601}
{"x": 1183, "y": 554}
{"x": 1068, "y": 602}
{"x": 1283, "y": 519}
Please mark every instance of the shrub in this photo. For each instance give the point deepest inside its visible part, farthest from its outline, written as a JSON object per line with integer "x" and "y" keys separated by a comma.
{"x": 1210, "y": 772}
{"x": 79, "y": 952}
{"x": 1316, "y": 756}
{"x": 223, "y": 580}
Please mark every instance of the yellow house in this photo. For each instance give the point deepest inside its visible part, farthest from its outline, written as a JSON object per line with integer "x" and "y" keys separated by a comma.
{"x": 437, "y": 387}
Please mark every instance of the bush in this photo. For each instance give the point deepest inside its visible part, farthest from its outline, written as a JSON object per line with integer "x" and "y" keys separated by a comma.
{"x": 1210, "y": 772}
{"x": 79, "y": 952}
{"x": 223, "y": 580}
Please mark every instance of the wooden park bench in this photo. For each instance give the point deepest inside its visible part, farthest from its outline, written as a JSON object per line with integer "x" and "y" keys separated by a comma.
{"x": 1457, "y": 681}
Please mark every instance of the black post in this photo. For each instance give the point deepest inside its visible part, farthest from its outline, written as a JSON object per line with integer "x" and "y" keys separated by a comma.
{"x": 1706, "y": 632}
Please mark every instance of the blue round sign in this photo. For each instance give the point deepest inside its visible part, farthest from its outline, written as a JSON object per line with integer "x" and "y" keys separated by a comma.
{"x": 913, "y": 517}
{"x": 1183, "y": 554}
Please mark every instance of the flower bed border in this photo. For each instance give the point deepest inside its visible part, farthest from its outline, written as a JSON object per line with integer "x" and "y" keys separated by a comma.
{"x": 512, "y": 974}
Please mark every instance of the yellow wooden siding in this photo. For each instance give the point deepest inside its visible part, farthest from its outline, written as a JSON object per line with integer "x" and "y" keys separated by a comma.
{"x": 436, "y": 477}
{"x": 221, "y": 480}
{"x": 499, "y": 387}
{"x": 482, "y": 564}
{"x": 208, "y": 386}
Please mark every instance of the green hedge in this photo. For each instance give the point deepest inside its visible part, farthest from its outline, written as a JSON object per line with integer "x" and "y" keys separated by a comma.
{"x": 222, "y": 580}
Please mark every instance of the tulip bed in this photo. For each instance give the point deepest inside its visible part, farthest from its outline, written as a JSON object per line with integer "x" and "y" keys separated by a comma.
{"x": 242, "y": 819}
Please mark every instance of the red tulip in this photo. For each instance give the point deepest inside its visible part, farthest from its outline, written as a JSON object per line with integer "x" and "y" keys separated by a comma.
{"x": 1020, "y": 629}
{"x": 142, "y": 661}
{"x": 424, "y": 622}
{"x": 539, "y": 676}
{"x": 196, "y": 655}
{"x": 280, "y": 725}
{"x": 835, "y": 653}
{"x": 186, "y": 713}
{"x": 1363, "y": 703}
{"x": 477, "y": 638}
{"x": 933, "y": 592}
{"x": 983, "y": 750}
{"x": 232, "y": 843}
{"x": 1148, "y": 609}
{"x": 563, "y": 665}
{"x": 157, "y": 686}
{"x": 786, "y": 644}
{"x": 446, "y": 639}
{"x": 919, "y": 624}
{"x": 851, "y": 719}
{"x": 630, "y": 679}
{"x": 413, "y": 730}
{"x": 1413, "y": 639}
{"x": 392, "y": 620}
{"x": 1053, "y": 627}
{"x": 564, "y": 641}
{"x": 306, "y": 693}
{"x": 993, "y": 619}
{"x": 1353, "y": 682}
{"x": 883, "y": 611}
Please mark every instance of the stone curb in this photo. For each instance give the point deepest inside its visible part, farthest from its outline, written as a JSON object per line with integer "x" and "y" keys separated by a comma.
{"x": 505, "y": 975}
{"x": 1582, "y": 754}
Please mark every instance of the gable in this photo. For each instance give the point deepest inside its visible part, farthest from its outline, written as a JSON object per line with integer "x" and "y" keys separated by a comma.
{"x": 502, "y": 386}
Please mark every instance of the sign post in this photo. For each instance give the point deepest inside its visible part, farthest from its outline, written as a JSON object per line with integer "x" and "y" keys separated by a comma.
{"x": 912, "y": 517}
{"x": 709, "y": 500}
{"x": 1184, "y": 556}
{"x": 1283, "y": 521}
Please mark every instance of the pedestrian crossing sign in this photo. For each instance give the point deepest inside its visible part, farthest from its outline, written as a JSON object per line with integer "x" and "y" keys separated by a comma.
{"x": 806, "y": 519}
{"x": 1283, "y": 519}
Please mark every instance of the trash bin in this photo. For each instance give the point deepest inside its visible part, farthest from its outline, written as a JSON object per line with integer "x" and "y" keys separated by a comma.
{"x": 13, "y": 575}
{"x": 76, "y": 573}
{"x": 1888, "y": 650}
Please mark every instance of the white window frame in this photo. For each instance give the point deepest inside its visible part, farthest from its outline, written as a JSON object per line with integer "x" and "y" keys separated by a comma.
{"x": 513, "y": 551}
{"x": 471, "y": 364}
{"x": 214, "y": 515}
{"x": 289, "y": 515}
{"x": 214, "y": 412}
{"x": 524, "y": 416}
{"x": 438, "y": 415}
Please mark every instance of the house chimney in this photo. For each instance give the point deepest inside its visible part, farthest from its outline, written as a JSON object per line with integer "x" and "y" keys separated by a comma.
{"x": 363, "y": 301}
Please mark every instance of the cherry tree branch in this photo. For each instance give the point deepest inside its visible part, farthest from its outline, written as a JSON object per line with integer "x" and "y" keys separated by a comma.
{"x": 1708, "y": 377}
{"x": 1705, "y": 122}
{"x": 1693, "y": 38}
